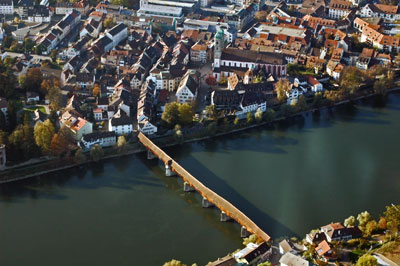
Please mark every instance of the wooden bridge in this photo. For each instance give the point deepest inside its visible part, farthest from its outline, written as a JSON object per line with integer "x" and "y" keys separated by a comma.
{"x": 209, "y": 196}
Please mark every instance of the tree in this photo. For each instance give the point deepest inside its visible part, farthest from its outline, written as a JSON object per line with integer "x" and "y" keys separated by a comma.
{"x": 178, "y": 134}
{"x": 269, "y": 115}
{"x": 96, "y": 90}
{"x": 185, "y": 114}
{"x": 62, "y": 141}
{"x": 43, "y": 133}
{"x": 258, "y": 115}
{"x": 301, "y": 104}
{"x": 212, "y": 128}
{"x": 212, "y": 112}
{"x": 363, "y": 218}
{"x": 318, "y": 100}
{"x": 267, "y": 263}
{"x": 3, "y": 121}
{"x": 122, "y": 145}
{"x": 96, "y": 153}
{"x": 351, "y": 221}
{"x": 22, "y": 143}
{"x": 370, "y": 227}
{"x": 382, "y": 224}
{"x": 261, "y": 16}
{"x": 174, "y": 263}
{"x": 285, "y": 110}
{"x": 392, "y": 214}
{"x": 80, "y": 157}
{"x": 3, "y": 137}
{"x": 55, "y": 98}
{"x": 249, "y": 118}
{"x": 171, "y": 113}
{"x": 281, "y": 88}
{"x": 29, "y": 44}
{"x": 236, "y": 121}
{"x": 109, "y": 23}
{"x": 33, "y": 80}
{"x": 367, "y": 260}
{"x": 53, "y": 55}
{"x": 350, "y": 80}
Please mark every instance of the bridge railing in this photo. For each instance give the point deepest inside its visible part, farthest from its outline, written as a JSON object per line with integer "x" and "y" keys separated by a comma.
{"x": 207, "y": 193}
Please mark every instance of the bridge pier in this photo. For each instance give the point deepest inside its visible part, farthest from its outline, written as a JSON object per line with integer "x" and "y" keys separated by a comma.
{"x": 187, "y": 187}
{"x": 206, "y": 204}
{"x": 244, "y": 233}
{"x": 224, "y": 217}
{"x": 168, "y": 170}
{"x": 150, "y": 155}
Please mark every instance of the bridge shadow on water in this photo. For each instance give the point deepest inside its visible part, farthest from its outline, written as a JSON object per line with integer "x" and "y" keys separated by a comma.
{"x": 267, "y": 223}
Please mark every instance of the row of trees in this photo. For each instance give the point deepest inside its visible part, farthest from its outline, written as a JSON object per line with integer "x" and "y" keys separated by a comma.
{"x": 389, "y": 221}
{"x": 177, "y": 113}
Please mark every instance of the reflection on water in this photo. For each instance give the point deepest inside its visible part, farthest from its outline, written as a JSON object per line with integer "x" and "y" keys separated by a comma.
{"x": 288, "y": 177}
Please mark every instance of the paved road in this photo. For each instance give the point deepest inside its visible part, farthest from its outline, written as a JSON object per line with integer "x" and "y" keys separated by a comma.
{"x": 35, "y": 57}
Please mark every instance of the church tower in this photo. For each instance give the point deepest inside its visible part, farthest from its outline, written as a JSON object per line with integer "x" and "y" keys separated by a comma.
{"x": 218, "y": 46}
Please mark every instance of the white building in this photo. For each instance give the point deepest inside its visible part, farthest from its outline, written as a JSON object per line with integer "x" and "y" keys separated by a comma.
{"x": 339, "y": 9}
{"x": 6, "y": 7}
{"x": 290, "y": 259}
{"x": 39, "y": 14}
{"x": 146, "y": 127}
{"x": 387, "y": 12}
{"x": 117, "y": 33}
{"x": 102, "y": 138}
{"x": 120, "y": 125}
{"x": 188, "y": 88}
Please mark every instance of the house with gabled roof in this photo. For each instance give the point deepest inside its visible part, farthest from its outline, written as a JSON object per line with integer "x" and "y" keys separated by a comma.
{"x": 188, "y": 88}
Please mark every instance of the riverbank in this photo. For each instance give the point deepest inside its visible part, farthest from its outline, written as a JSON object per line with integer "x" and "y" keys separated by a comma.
{"x": 45, "y": 167}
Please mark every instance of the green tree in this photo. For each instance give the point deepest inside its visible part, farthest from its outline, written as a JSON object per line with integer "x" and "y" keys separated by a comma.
{"x": 249, "y": 118}
{"x": 122, "y": 145}
{"x": 318, "y": 100}
{"x": 185, "y": 114}
{"x": 3, "y": 137}
{"x": 171, "y": 113}
{"x": 351, "y": 221}
{"x": 96, "y": 153}
{"x": 212, "y": 112}
{"x": 258, "y": 115}
{"x": 281, "y": 88}
{"x": 33, "y": 80}
{"x": 301, "y": 104}
{"x": 267, "y": 263}
{"x": 269, "y": 115}
{"x": 55, "y": 98}
{"x": 12, "y": 108}
{"x": 174, "y": 263}
{"x": 285, "y": 110}
{"x": 350, "y": 80}
{"x": 43, "y": 133}
{"x": 178, "y": 134}
{"x": 80, "y": 156}
{"x": 109, "y": 23}
{"x": 370, "y": 227}
{"x": 392, "y": 214}
{"x": 53, "y": 55}
{"x": 251, "y": 239}
{"x": 236, "y": 121}
{"x": 367, "y": 260}
{"x": 363, "y": 218}
{"x": 22, "y": 143}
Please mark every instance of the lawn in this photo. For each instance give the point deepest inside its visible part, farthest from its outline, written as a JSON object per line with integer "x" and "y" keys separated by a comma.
{"x": 33, "y": 108}
{"x": 391, "y": 251}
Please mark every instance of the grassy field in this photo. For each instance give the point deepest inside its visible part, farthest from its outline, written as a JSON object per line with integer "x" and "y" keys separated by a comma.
{"x": 391, "y": 251}
{"x": 33, "y": 108}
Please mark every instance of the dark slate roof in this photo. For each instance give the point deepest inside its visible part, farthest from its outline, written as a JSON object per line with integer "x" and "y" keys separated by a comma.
{"x": 102, "y": 101}
{"x": 98, "y": 135}
{"x": 5, "y": 2}
{"x": 261, "y": 249}
{"x": 25, "y": 3}
{"x": 120, "y": 121}
{"x": 41, "y": 11}
{"x": 117, "y": 29}
{"x": 234, "y": 54}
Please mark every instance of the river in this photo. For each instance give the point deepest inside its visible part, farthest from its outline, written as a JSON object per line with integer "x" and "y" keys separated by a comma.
{"x": 289, "y": 178}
